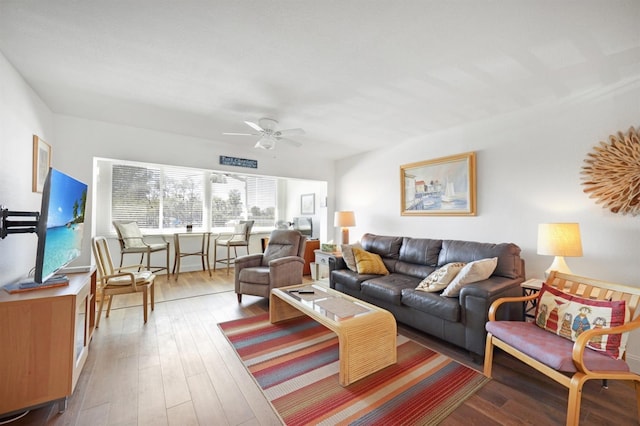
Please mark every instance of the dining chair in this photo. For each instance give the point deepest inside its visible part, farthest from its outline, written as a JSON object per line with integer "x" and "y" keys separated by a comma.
{"x": 132, "y": 241}
{"x": 114, "y": 281}
{"x": 239, "y": 238}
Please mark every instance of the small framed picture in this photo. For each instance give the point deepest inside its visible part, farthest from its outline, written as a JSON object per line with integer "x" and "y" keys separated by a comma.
{"x": 41, "y": 163}
{"x": 308, "y": 204}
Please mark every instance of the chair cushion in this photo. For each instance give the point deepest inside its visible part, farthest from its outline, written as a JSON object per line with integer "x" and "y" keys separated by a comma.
{"x": 131, "y": 235}
{"x": 568, "y": 316}
{"x": 282, "y": 243}
{"x": 125, "y": 280}
{"x": 254, "y": 275}
{"x": 548, "y": 348}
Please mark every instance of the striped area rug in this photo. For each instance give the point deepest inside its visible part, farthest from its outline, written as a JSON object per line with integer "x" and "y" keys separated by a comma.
{"x": 296, "y": 365}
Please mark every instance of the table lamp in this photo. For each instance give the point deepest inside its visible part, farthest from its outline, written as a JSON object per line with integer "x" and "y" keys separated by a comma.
{"x": 344, "y": 220}
{"x": 559, "y": 240}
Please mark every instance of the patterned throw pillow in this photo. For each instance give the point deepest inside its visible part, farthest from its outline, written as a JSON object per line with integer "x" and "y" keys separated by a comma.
{"x": 441, "y": 277}
{"x": 369, "y": 263}
{"x": 471, "y": 272}
{"x": 347, "y": 255}
{"x": 567, "y": 316}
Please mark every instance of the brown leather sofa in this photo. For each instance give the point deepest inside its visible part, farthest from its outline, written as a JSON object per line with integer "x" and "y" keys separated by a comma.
{"x": 458, "y": 320}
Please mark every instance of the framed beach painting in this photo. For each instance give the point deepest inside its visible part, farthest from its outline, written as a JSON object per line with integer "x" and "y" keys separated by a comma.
{"x": 440, "y": 187}
{"x": 41, "y": 163}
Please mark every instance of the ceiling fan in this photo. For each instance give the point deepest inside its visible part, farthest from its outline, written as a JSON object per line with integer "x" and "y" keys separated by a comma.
{"x": 268, "y": 133}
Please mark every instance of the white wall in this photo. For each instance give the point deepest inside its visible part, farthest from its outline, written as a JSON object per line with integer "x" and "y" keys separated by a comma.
{"x": 296, "y": 188}
{"x": 528, "y": 172}
{"x": 22, "y": 115}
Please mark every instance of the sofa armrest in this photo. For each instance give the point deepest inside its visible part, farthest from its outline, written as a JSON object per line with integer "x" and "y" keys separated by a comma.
{"x": 475, "y": 300}
{"x": 336, "y": 263}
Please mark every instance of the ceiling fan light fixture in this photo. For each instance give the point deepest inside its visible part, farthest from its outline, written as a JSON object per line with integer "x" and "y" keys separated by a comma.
{"x": 266, "y": 142}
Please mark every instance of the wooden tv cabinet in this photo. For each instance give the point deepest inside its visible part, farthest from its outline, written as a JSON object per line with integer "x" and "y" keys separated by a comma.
{"x": 44, "y": 342}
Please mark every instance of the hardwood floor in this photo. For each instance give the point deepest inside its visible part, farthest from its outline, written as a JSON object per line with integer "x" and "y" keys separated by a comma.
{"x": 178, "y": 369}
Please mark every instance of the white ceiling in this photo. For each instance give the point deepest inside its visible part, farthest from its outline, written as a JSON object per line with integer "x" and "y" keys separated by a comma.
{"x": 356, "y": 75}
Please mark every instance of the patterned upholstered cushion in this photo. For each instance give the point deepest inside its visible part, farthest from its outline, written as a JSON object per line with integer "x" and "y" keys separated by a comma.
{"x": 440, "y": 278}
{"x": 568, "y": 316}
{"x": 471, "y": 272}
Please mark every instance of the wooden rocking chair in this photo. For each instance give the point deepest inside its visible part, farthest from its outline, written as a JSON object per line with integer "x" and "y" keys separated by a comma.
{"x": 569, "y": 363}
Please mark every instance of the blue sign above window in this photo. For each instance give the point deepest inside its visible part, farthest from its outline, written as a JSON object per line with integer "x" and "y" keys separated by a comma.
{"x": 238, "y": 162}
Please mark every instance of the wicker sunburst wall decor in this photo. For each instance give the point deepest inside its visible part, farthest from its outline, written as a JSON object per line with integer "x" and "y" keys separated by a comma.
{"x": 612, "y": 173}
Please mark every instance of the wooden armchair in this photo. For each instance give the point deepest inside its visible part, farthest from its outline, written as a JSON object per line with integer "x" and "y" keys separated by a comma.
{"x": 568, "y": 363}
{"x": 114, "y": 281}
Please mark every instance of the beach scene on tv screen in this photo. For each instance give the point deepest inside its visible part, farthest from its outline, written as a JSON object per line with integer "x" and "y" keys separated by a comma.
{"x": 65, "y": 222}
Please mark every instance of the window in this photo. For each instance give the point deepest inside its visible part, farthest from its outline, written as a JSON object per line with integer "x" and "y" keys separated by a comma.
{"x": 163, "y": 198}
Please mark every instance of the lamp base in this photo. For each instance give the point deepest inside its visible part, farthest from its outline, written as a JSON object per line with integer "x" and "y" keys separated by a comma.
{"x": 559, "y": 265}
{"x": 345, "y": 235}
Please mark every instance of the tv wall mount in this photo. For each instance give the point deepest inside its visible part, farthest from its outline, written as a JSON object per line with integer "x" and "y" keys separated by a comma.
{"x": 10, "y": 224}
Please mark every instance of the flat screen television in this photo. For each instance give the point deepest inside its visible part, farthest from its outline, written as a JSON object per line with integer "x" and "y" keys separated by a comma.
{"x": 61, "y": 224}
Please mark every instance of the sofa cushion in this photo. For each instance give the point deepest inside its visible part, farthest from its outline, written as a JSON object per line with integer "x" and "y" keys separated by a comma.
{"x": 348, "y": 278}
{"x": 369, "y": 263}
{"x": 568, "y": 316}
{"x": 388, "y": 288}
{"x": 439, "y": 279}
{"x": 548, "y": 348}
{"x": 421, "y": 251}
{"x": 347, "y": 255}
{"x": 387, "y": 247}
{"x": 508, "y": 254}
{"x": 470, "y": 273}
{"x": 442, "y": 307}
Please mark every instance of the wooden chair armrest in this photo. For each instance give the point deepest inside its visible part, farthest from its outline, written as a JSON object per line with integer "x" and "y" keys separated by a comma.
{"x": 496, "y": 303}
{"x": 131, "y": 276}
{"x": 580, "y": 345}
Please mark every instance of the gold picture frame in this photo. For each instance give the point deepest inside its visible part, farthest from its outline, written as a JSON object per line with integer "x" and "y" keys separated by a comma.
{"x": 41, "y": 163}
{"x": 440, "y": 187}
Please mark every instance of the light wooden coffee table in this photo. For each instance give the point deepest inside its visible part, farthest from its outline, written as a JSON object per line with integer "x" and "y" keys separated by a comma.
{"x": 366, "y": 333}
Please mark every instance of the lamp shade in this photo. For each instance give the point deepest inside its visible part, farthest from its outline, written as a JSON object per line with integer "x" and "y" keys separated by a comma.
{"x": 559, "y": 239}
{"x": 344, "y": 219}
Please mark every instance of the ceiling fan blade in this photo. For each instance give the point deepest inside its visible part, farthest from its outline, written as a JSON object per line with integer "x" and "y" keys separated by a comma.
{"x": 290, "y": 142}
{"x": 254, "y": 126}
{"x": 290, "y": 132}
{"x": 240, "y": 134}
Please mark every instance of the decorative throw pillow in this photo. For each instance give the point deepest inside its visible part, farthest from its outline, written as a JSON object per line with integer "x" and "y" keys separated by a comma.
{"x": 441, "y": 277}
{"x": 471, "y": 272}
{"x": 347, "y": 255}
{"x": 567, "y": 316}
{"x": 369, "y": 263}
